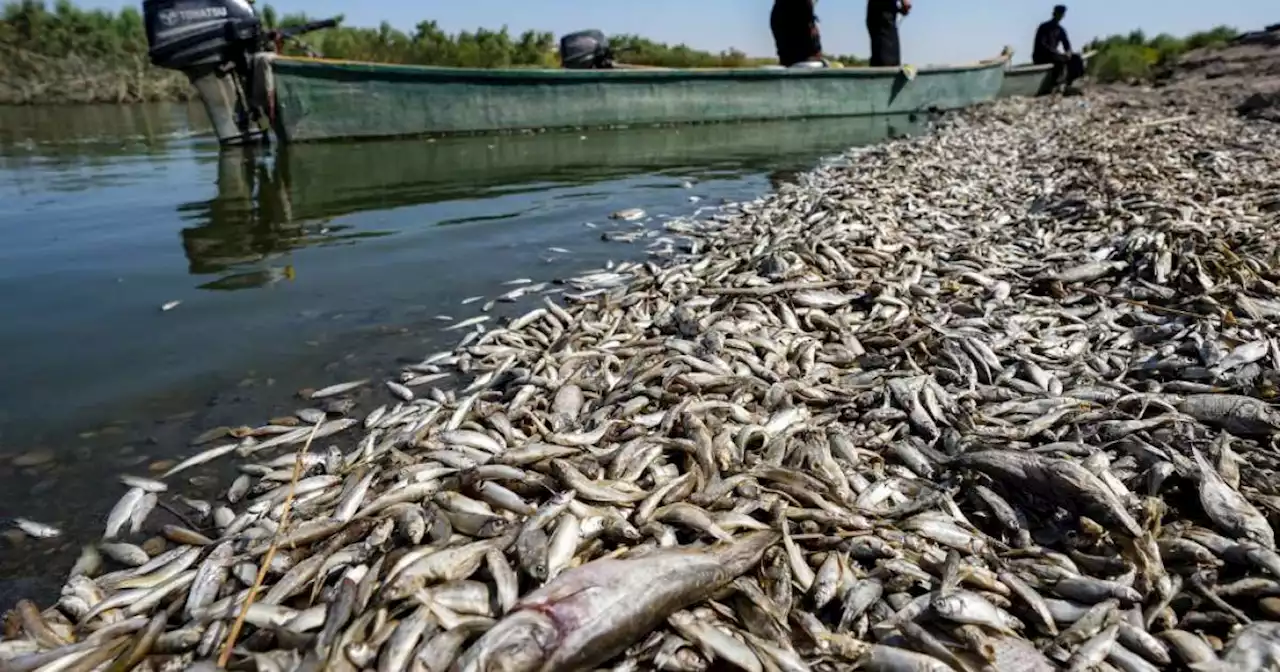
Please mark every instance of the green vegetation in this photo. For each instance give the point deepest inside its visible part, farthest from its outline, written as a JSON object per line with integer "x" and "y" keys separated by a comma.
{"x": 428, "y": 44}
{"x": 66, "y": 54}
{"x": 1124, "y": 58}
{"x": 76, "y": 55}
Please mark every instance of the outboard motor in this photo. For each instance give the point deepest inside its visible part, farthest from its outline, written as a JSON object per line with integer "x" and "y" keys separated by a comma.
{"x": 585, "y": 50}
{"x": 214, "y": 42}
{"x": 211, "y": 41}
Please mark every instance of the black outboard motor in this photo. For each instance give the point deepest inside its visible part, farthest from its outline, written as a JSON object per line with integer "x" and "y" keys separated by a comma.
{"x": 211, "y": 41}
{"x": 183, "y": 34}
{"x": 214, "y": 43}
{"x": 585, "y": 50}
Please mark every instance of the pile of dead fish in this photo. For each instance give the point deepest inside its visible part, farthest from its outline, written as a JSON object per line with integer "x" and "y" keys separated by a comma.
{"x": 994, "y": 398}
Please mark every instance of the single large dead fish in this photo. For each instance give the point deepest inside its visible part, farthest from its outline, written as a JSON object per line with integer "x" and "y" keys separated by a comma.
{"x": 591, "y": 613}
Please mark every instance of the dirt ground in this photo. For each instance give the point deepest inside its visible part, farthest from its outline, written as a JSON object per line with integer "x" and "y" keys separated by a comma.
{"x": 1248, "y": 70}
{"x": 1244, "y": 76}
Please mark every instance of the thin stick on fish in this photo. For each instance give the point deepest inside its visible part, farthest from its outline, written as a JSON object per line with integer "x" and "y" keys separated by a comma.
{"x": 271, "y": 551}
{"x": 772, "y": 289}
{"x": 1152, "y": 306}
{"x": 1164, "y": 121}
{"x": 177, "y": 514}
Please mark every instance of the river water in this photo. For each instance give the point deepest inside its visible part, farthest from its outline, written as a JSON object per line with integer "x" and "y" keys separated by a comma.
{"x": 293, "y": 267}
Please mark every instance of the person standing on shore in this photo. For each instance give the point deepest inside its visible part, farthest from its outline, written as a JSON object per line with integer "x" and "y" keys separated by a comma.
{"x": 795, "y": 32}
{"x": 882, "y": 26}
{"x": 1049, "y": 36}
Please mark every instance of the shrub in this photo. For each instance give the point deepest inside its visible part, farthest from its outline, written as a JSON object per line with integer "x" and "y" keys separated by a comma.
{"x": 1123, "y": 63}
{"x": 1120, "y": 58}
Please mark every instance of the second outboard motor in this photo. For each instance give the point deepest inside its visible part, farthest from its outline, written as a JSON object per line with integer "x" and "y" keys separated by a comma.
{"x": 585, "y": 50}
{"x": 211, "y": 41}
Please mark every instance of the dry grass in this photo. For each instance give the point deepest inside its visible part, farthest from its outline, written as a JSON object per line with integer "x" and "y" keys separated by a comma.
{"x": 28, "y": 78}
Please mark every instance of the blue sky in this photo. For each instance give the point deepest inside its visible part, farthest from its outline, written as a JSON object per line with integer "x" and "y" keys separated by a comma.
{"x": 938, "y": 31}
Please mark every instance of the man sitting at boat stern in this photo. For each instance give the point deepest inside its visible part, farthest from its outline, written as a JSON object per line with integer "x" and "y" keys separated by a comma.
{"x": 795, "y": 34}
{"x": 1049, "y": 36}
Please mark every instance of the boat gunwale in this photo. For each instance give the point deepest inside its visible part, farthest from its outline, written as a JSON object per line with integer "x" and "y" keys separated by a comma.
{"x": 324, "y": 67}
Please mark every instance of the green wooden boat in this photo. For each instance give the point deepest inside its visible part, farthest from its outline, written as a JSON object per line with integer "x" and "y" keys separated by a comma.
{"x": 247, "y": 87}
{"x": 1029, "y": 79}
{"x": 318, "y": 99}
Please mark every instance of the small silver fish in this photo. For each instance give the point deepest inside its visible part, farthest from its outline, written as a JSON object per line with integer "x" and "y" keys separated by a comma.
{"x": 339, "y": 388}
{"x": 35, "y": 529}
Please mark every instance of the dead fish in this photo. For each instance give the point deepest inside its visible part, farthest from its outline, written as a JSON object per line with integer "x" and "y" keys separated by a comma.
{"x": 35, "y": 529}
{"x": 400, "y": 390}
{"x": 339, "y": 388}
{"x": 592, "y": 612}
{"x": 123, "y": 511}
{"x": 1229, "y": 509}
{"x": 469, "y": 322}
{"x": 147, "y": 484}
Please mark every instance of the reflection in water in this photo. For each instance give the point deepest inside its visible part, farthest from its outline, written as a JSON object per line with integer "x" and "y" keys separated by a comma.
{"x": 251, "y": 279}
{"x": 64, "y": 151}
{"x": 243, "y": 223}
{"x": 251, "y": 221}
{"x": 271, "y": 202}
{"x": 89, "y": 134}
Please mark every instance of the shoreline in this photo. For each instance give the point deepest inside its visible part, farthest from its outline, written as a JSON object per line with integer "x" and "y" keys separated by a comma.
{"x": 804, "y": 301}
{"x": 31, "y": 79}
{"x": 261, "y": 385}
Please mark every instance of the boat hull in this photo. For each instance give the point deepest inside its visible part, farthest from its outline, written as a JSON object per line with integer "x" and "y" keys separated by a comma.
{"x": 318, "y": 99}
{"x": 1029, "y": 80}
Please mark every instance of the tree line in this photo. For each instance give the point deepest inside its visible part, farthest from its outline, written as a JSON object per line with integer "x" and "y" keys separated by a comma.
{"x": 428, "y": 44}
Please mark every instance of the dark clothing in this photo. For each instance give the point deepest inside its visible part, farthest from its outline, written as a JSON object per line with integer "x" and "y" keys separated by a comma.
{"x": 795, "y": 31}
{"x": 882, "y": 27}
{"x": 1049, "y": 35}
{"x": 1070, "y": 64}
